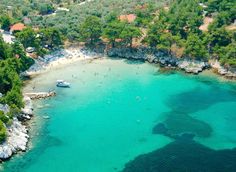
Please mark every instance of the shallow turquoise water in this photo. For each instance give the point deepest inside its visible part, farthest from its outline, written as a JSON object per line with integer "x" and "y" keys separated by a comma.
{"x": 106, "y": 118}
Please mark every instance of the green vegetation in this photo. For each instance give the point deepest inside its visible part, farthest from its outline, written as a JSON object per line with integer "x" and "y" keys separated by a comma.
{"x": 180, "y": 26}
{"x": 91, "y": 30}
{"x": 3, "y": 132}
{"x": 42, "y": 40}
{"x": 38, "y": 11}
{"x": 13, "y": 60}
{"x": 6, "y": 22}
{"x": 122, "y": 31}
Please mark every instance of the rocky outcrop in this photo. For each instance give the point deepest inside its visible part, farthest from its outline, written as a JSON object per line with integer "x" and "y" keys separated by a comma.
{"x": 153, "y": 56}
{"x": 229, "y": 73}
{"x": 27, "y": 111}
{"x": 192, "y": 66}
{"x": 17, "y": 137}
{"x": 5, "y": 108}
{"x": 16, "y": 141}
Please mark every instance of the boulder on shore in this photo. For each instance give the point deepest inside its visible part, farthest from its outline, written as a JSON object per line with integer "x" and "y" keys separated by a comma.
{"x": 5, "y": 108}
{"x": 192, "y": 66}
{"x": 28, "y": 109}
{"x": 16, "y": 141}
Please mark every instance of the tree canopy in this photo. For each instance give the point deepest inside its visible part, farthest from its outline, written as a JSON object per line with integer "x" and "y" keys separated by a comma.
{"x": 91, "y": 30}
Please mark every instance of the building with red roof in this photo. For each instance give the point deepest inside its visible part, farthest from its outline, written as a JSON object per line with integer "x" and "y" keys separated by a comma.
{"x": 129, "y": 18}
{"x": 17, "y": 27}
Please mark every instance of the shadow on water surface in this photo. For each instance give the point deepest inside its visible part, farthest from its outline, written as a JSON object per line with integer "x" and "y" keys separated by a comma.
{"x": 135, "y": 62}
{"x": 165, "y": 72}
{"x": 184, "y": 155}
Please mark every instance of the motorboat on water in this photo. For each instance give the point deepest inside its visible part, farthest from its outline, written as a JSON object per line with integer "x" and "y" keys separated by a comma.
{"x": 62, "y": 83}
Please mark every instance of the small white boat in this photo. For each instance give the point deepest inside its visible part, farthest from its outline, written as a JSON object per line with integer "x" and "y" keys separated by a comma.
{"x": 62, "y": 83}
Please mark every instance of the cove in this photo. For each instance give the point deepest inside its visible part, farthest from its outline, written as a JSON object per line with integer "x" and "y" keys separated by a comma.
{"x": 106, "y": 118}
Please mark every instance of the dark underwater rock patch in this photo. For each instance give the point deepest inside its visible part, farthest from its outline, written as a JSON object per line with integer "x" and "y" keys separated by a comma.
{"x": 177, "y": 124}
{"x": 160, "y": 128}
{"x": 184, "y": 155}
{"x": 199, "y": 99}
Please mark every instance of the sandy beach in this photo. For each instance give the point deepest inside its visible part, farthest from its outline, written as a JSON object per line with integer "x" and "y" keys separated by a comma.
{"x": 60, "y": 58}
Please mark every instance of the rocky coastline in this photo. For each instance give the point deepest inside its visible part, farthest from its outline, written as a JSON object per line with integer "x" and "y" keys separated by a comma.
{"x": 151, "y": 55}
{"x": 186, "y": 64}
{"x": 17, "y": 132}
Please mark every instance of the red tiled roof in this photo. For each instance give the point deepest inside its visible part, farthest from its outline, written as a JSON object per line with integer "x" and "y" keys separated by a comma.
{"x": 17, "y": 27}
{"x": 130, "y": 17}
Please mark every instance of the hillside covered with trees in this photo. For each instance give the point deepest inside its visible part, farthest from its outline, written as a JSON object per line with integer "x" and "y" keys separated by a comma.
{"x": 13, "y": 60}
{"x": 171, "y": 26}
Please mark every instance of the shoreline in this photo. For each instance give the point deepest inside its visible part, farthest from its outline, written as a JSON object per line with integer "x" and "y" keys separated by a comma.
{"x": 165, "y": 61}
{"x": 72, "y": 54}
{"x": 59, "y": 59}
{"x": 18, "y": 134}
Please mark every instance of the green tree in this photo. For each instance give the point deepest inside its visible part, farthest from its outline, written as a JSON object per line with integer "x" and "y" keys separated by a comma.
{"x": 165, "y": 42}
{"x": 129, "y": 33}
{"x": 51, "y": 37}
{"x": 22, "y": 62}
{"x": 113, "y": 31}
{"x": 144, "y": 15}
{"x": 195, "y": 47}
{"x": 8, "y": 76}
{"x": 27, "y": 37}
{"x": 91, "y": 30}
{"x": 3, "y": 117}
{"x": 219, "y": 37}
{"x": 227, "y": 54}
{"x": 154, "y": 33}
{"x": 184, "y": 16}
{"x": 46, "y": 8}
{"x": 3, "y": 132}
{"x": 3, "y": 49}
{"x": 14, "y": 97}
{"x": 6, "y": 23}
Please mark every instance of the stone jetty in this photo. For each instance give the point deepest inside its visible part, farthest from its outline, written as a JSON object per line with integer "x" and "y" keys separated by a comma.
{"x": 40, "y": 95}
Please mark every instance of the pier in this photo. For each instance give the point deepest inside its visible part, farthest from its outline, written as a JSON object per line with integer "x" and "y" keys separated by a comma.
{"x": 40, "y": 95}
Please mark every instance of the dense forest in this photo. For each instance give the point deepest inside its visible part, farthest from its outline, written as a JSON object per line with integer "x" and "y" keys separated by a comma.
{"x": 198, "y": 29}
{"x": 13, "y": 60}
{"x": 175, "y": 29}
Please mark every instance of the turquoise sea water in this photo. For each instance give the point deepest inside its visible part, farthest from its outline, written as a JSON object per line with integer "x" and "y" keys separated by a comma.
{"x": 106, "y": 118}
